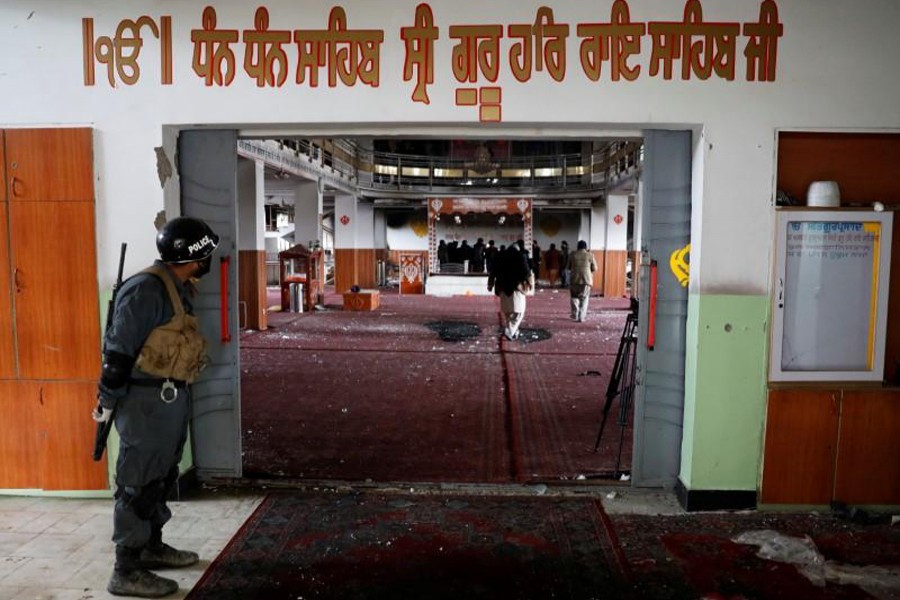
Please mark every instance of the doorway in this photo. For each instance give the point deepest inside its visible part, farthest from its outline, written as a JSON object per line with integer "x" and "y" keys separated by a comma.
{"x": 220, "y": 422}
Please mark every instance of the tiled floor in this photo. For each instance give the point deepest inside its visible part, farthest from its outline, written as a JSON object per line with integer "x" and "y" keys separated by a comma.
{"x": 60, "y": 549}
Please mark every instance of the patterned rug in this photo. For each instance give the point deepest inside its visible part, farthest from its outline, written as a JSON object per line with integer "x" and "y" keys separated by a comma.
{"x": 379, "y": 546}
{"x": 693, "y": 556}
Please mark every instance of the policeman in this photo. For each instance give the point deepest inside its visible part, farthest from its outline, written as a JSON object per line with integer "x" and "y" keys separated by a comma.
{"x": 153, "y": 350}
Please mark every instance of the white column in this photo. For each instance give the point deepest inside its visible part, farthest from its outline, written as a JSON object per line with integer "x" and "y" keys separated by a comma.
{"x": 617, "y": 222}
{"x": 308, "y": 203}
{"x": 598, "y": 214}
{"x": 346, "y": 228}
{"x": 251, "y": 242}
{"x": 584, "y": 229}
{"x": 251, "y": 205}
{"x": 365, "y": 225}
{"x": 380, "y": 230}
{"x": 638, "y": 217}
{"x": 346, "y": 220}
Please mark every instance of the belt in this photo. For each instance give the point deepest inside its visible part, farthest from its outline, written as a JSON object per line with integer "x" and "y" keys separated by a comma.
{"x": 158, "y": 383}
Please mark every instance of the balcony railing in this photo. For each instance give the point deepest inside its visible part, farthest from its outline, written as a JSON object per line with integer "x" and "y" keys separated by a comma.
{"x": 399, "y": 172}
{"x": 371, "y": 170}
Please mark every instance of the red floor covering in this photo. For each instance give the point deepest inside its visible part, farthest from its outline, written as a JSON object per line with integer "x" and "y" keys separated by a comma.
{"x": 340, "y": 545}
{"x": 426, "y": 389}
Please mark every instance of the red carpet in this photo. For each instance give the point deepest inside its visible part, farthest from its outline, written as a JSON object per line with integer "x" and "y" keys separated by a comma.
{"x": 692, "y": 556}
{"x": 373, "y": 546}
{"x": 376, "y": 546}
{"x": 383, "y": 416}
{"x": 551, "y": 431}
{"x": 426, "y": 389}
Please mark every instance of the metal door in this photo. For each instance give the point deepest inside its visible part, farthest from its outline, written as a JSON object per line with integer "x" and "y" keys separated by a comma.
{"x": 666, "y": 229}
{"x": 207, "y": 162}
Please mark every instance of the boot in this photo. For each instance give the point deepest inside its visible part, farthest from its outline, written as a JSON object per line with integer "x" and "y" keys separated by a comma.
{"x": 164, "y": 556}
{"x": 140, "y": 583}
{"x": 130, "y": 579}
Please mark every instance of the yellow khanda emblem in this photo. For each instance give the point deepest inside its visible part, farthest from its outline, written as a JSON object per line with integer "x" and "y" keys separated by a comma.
{"x": 419, "y": 226}
{"x": 550, "y": 226}
{"x": 680, "y": 266}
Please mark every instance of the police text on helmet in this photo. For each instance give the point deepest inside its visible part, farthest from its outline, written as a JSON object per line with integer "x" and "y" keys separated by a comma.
{"x": 196, "y": 246}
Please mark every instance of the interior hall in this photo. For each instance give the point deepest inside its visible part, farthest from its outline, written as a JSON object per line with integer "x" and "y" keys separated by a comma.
{"x": 385, "y": 352}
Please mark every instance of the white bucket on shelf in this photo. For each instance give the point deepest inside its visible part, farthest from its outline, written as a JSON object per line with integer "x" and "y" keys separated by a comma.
{"x": 823, "y": 194}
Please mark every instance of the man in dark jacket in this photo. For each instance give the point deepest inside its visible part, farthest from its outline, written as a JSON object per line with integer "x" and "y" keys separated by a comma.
{"x": 535, "y": 258}
{"x": 511, "y": 279}
{"x": 478, "y": 256}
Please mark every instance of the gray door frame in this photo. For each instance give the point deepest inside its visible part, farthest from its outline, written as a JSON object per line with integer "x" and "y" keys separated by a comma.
{"x": 207, "y": 169}
{"x": 666, "y": 227}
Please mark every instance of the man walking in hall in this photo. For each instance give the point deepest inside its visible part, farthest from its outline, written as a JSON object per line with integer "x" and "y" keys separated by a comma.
{"x": 551, "y": 264}
{"x": 478, "y": 256}
{"x": 564, "y": 271}
{"x": 582, "y": 265}
{"x": 152, "y": 352}
{"x": 511, "y": 278}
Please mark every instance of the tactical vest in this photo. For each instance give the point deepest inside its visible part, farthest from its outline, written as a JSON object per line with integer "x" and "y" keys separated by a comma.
{"x": 174, "y": 350}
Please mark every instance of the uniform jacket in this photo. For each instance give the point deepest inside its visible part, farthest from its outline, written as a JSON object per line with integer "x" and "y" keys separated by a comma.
{"x": 142, "y": 305}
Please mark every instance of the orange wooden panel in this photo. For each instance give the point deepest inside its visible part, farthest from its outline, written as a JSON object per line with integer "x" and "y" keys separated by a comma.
{"x": 599, "y": 274}
{"x": 19, "y": 435}
{"x": 49, "y": 164}
{"x": 863, "y": 164}
{"x": 365, "y": 267}
{"x": 57, "y": 304}
{"x": 7, "y": 336}
{"x": 2, "y": 167}
{"x": 252, "y": 288}
{"x": 362, "y": 300}
{"x": 68, "y": 433}
{"x": 868, "y": 457}
{"x": 344, "y": 269}
{"x": 412, "y": 273}
{"x": 800, "y": 445}
{"x": 614, "y": 273}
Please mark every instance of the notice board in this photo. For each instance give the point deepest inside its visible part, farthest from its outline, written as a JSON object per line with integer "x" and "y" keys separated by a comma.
{"x": 830, "y": 295}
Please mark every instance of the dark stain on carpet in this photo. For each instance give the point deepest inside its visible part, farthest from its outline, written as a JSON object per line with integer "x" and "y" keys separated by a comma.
{"x": 454, "y": 331}
{"x": 528, "y": 335}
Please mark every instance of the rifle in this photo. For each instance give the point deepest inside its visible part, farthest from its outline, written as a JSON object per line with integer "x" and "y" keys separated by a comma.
{"x": 103, "y": 429}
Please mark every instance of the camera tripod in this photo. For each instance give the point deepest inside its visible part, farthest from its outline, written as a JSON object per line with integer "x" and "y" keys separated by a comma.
{"x": 621, "y": 381}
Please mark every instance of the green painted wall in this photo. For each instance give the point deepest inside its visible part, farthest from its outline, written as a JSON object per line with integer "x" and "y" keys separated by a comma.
{"x": 725, "y": 391}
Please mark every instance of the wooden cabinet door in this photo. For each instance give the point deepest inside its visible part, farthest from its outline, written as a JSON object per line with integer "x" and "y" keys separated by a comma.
{"x": 7, "y": 333}
{"x": 19, "y": 435}
{"x": 67, "y": 437}
{"x": 800, "y": 445}
{"x": 2, "y": 166}
{"x": 56, "y": 298}
{"x": 49, "y": 165}
{"x": 868, "y": 458}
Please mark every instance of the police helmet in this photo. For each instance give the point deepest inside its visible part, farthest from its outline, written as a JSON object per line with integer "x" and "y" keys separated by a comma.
{"x": 185, "y": 239}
